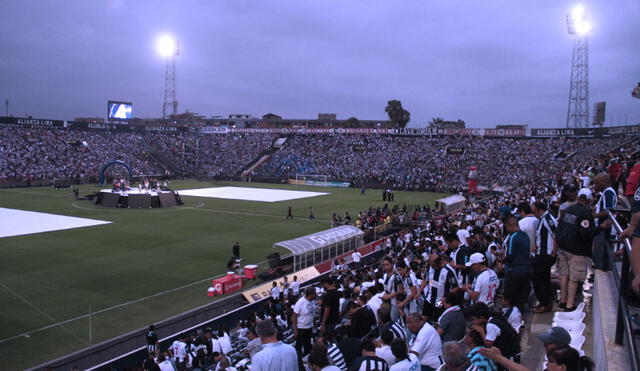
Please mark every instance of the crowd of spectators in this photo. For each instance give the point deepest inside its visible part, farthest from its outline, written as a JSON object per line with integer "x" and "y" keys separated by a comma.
{"x": 430, "y": 163}
{"x": 212, "y": 155}
{"x": 394, "y": 162}
{"x": 32, "y": 154}
{"x": 450, "y": 293}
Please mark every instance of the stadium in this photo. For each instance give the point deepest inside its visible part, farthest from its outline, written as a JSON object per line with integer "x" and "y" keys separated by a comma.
{"x": 183, "y": 241}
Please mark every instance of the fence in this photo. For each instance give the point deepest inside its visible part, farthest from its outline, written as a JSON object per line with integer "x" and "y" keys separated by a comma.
{"x": 624, "y": 333}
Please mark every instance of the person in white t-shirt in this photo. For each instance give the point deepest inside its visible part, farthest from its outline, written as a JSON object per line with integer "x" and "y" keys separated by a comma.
{"x": 426, "y": 344}
{"x": 404, "y": 361}
{"x": 275, "y": 291}
{"x": 295, "y": 286}
{"x": 585, "y": 180}
{"x": 528, "y": 224}
{"x": 164, "y": 363}
{"x": 485, "y": 284}
{"x": 384, "y": 351}
{"x": 356, "y": 257}
{"x": 463, "y": 233}
{"x": 225, "y": 341}
{"x": 304, "y": 312}
{"x": 179, "y": 352}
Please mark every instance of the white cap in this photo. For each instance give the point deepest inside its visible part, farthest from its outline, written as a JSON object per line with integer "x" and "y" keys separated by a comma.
{"x": 475, "y": 259}
{"x": 586, "y": 192}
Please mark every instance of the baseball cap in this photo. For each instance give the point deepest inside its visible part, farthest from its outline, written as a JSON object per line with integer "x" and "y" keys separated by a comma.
{"x": 586, "y": 192}
{"x": 475, "y": 259}
{"x": 556, "y": 335}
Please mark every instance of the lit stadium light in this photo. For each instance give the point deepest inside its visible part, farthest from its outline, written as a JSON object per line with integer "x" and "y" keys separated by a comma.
{"x": 577, "y": 12}
{"x": 576, "y": 22}
{"x": 167, "y": 46}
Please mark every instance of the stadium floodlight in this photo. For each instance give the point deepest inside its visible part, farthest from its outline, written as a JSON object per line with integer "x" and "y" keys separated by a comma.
{"x": 576, "y": 22}
{"x": 167, "y": 46}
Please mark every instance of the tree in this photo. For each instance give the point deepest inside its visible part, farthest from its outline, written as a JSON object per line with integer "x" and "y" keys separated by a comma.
{"x": 436, "y": 122}
{"x": 397, "y": 115}
{"x": 353, "y": 122}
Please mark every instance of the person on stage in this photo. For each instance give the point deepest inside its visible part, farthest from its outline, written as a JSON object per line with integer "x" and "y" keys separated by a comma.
{"x": 236, "y": 250}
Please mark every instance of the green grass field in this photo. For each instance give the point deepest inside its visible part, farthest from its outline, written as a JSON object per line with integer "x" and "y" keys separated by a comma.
{"x": 51, "y": 277}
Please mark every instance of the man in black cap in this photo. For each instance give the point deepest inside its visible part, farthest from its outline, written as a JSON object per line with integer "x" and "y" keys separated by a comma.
{"x": 554, "y": 337}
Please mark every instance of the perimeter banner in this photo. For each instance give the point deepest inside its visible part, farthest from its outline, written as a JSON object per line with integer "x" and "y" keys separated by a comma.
{"x": 586, "y": 132}
{"x": 28, "y": 121}
{"x": 262, "y": 291}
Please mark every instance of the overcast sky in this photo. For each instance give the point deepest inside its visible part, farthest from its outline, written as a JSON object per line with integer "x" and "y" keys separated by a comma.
{"x": 487, "y": 62}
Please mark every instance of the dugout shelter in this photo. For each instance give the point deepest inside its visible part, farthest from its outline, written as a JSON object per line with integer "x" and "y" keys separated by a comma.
{"x": 318, "y": 247}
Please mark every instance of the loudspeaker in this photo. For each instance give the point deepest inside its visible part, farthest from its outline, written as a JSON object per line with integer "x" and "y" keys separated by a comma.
{"x": 139, "y": 201}
{"x": 167, "y": 199}
{"x": 274, "y": 260}
{"x": 110, "y": 199}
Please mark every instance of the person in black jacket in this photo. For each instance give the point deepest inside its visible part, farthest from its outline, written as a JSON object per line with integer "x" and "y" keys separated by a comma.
{"x": 574, "y": 236}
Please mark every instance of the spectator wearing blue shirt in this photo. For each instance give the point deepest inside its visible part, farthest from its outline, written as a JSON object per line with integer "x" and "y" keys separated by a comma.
{"x": 275, "y": 355}
{"x": 474, "y": 340}
{"x": 517, "y": 283}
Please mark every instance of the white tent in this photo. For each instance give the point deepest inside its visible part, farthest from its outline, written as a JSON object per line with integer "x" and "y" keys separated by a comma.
{"x": 450, "y": 204}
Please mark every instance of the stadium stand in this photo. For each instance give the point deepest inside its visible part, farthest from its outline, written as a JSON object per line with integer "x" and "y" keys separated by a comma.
{"x": 393, "y": 312}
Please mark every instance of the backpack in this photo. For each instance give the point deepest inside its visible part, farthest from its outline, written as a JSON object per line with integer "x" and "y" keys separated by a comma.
{"x": 508, "y": 342}
{"x": 567, "y": 230}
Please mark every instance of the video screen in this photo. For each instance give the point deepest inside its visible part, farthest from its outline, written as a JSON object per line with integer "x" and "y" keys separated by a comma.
{"x": 120, "y": 110}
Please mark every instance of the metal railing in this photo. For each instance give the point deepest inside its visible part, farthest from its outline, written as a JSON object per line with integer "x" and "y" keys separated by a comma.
{"x": 622, "y": 279}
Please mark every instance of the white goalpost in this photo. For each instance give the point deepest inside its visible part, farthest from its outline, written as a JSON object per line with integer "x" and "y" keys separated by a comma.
{"x": 312, "y": 179}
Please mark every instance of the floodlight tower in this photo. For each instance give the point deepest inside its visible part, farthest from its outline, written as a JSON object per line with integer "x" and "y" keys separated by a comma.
{"x": 168, "y": 48}
{"x": 578, "y": 111}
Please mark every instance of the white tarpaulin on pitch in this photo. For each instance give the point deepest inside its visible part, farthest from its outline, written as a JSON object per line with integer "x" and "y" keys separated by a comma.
{"x": 20, "y": 222}
{"x": 249, "y": 194}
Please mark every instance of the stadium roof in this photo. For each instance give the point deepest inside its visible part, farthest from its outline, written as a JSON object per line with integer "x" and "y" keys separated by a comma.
{"x": 311, "y": 242}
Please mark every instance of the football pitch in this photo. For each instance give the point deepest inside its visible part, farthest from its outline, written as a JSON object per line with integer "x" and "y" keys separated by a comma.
{"x": 142, "y": 266}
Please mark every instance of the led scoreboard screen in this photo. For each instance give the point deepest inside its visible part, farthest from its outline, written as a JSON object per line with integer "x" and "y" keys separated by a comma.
{"x": 119, "y": 110}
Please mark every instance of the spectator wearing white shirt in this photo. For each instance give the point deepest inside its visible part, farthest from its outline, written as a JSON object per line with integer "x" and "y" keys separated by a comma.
{"x": 179, "y": 352}
{"x": 384, "y": 351}
{"x": 405, "y": 361}
{"x": 528, "y": 224}
{"x": 377, "y": 292}
{"x": 356, "y": 257}
{"x": 295, "y": 286}
{"x": 485, "y": 284}
{"x": 463, "y": 233}
{"x": 426, "y": 343}
{"x": 225, "y": 341}
{"x": 275, "y": 291}
{"x": 304, "y": 312}
{"x": 164, "y": 363}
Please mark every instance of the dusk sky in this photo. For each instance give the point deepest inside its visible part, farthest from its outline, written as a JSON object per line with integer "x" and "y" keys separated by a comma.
{"x": 486, "y": 62}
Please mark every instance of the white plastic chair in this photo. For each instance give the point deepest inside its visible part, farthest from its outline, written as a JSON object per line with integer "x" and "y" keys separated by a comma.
{"x": 570, "y": 326}
{"x": 569, "y": 315}
{"x": 577, "y": 343}
{"x": 574, "y": 317}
